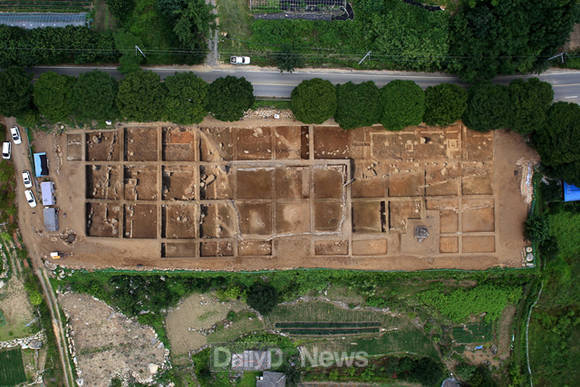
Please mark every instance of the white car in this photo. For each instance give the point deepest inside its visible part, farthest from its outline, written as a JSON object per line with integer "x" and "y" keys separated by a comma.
{"x": 244, "y": 60}
{"x": 6, "y": 150}
{"x": 15, "y": 133}
{"x": 30, "y": 198}
{"x": 26, "y": 179}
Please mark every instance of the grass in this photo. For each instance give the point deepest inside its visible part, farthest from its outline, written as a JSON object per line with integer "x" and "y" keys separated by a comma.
{"x": 11, "y": 368}
{"x": 234, "y": 18}
{"x": 104, "y": 21}
{"x": 271, "y": 103}
{"x": 473, "y": 333}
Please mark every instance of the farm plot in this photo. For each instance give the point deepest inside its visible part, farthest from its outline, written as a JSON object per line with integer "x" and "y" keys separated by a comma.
{"x": 11, "y": 368}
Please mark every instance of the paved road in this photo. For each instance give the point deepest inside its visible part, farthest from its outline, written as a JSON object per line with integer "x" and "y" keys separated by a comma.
{"x": 270, "y": 83}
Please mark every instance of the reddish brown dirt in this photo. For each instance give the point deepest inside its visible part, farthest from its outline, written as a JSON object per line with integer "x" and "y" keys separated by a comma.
{"x": 448, "y": 245}
{"x": 331, "y": 142}
{"x": 295, "y": 182}
{"x": 255, "y": 218}
{"x": 180, "y": 250}
{"x": 141, "y": 144}
{"x": 327, "y": 215}
{"x": 217, "y": 221}
{"x": 103, "y": 219}
{"x": 366, "y": 216}
{"x": 287, "y": 142}
{"x": 254, "y": 184}
{"x": 216, "y": 249}
{"x": 250, "y": 248}
{"x": 478, "y": 244}
{"x": 180, "y": 221}
{"x": 328, "y": 183}
{"x": 400, "y": 211}
{"x": 74, "y": 147}
{"x": 179, "y": 144}
{"x": 253, "y": 144}
{"x": 216, "y": 182}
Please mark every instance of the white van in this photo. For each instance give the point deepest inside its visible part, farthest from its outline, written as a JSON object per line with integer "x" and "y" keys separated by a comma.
{"x": 6, "y": 150}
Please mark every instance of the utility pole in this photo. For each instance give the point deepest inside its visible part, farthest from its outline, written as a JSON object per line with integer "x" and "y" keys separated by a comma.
{"x": 561, "y": 55}
{"x": 364, "y": 57}
{"x": 138, "y": 50}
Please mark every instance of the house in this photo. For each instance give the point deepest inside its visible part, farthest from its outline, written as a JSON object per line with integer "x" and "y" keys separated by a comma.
{"x": 47, "y": 191}
{"x": 50, "y": 219}
{"x": 271, "y": 379}
{"x": 571, "y": 193}
{"x": 30, "y": 20}
{"x": 40, "y": 164}
{"x": 252, "y": 361}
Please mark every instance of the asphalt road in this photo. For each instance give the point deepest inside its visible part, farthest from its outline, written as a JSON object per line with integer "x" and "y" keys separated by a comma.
{"x": 270, "y": 83}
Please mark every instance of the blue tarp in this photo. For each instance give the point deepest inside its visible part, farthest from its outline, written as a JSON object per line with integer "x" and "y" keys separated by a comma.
{"x": 40, "y": 164}
{"x": 43, "y": 19}
{"x": 571, "y": 193}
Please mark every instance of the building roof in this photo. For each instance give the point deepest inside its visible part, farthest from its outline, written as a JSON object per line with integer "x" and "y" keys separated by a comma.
{"x": 40, "y": 164}
{"x": 571, "y": 193}
{"x": 50, "y": 219}
{"x": 271, "y": 379}
{"x": 47, "y": 191}
{"x": 43, "y": 19}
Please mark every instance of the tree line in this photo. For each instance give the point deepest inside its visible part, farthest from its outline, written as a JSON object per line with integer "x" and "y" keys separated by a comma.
{"x": 524, "y": 106}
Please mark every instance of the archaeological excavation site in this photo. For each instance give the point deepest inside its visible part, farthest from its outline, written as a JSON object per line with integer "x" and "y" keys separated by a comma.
{"x": 270, "y": 197}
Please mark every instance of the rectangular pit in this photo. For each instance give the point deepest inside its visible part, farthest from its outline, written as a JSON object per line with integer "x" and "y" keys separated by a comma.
{"x": 179, "y": 221}
{"x": 254, "y": 248}
{"x": 216, "y": 144}
{"x": 324, "y": 247}
{"x": 179, "y": 144}
{"x": 331, "y": 142}
{"x": 328, "y": 216}
{"x": 141, "y": 144}
{"x": 328, "y": 182}
{"x": 103, "y": 146}
{"x": 179, "y": 182}
{"x": 293, "y": 183}
{"x": 478, "y": 215}
{"x": 74, "y": 147}
{"x": 178, "y": 250}
{"x": 103, "y": 182}
{"x": 216, "y": 249}
{"x": 216, "y": 182}
{"x": 255, "y": 218}
{"x": 103, "y": 219}
{"x": 254, "y": 183}
{"x": 287, "y": 142}
{"x": 478, "y": 244}
{"x": 292, "y": 217}
{"x": 218, "y": 220}
{"x": 368, "y": 216}
{"x": 253, "y": 144}
{"x": 140, "y": 221}
{"x": 140, "y": 182}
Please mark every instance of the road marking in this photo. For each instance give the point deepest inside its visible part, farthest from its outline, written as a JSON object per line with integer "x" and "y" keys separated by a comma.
{"x": 571, "y": 96}
{"x": 567, "y": 85}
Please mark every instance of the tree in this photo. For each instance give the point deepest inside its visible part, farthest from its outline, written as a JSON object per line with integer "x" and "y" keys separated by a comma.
{"x": 15, "y": 91}
{"x": 490, "y": 37}
{"x": 558, "y": 142}
{"x": 141, "y": 97}
{"x": 530, "y": 101}
{"x": 488, "y": 107}
{"x": 93, "y": 96}
{"x": 314, "y": 101}
{"x": 130, "y": 60}
{"x": 262, "y": 297}
{"x": 229, "y": 98}
{"x": 120, "y": 9}
{"x": 357, "y": 105}
{"x": 171, "y": 8}
{"x": 186, "y": 98}
{"x": 193, "y": 27}
{"x": 288, "y": 58}
{"x": 444, "y": 104}
{"x": 402, "y": 104}
{"x": 52, "y": 96}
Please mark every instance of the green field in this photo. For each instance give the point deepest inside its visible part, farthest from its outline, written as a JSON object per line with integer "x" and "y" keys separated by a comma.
{"x": 11, "y": 368}
{"x": 45, "y": 5}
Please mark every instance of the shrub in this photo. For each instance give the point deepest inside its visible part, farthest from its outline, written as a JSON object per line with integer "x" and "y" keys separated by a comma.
{"x": 288, "y": 58}
{"x": 15, "y": 91}
{"x": 444, "y": 104}
{"x": 35, "y": 297}
{"x": 262, "y": 297}
{"x": 357, "y": 105}
{"x": 186, "y": 98}
{"x": 402, "y": 103}
{"x": 229, "y": 98}
{"x": 530, "y": 101}
{"x": 53, "y": 96}
{"x": 120, "y": 9}
{"x": 93, "y": 96}
{"x": 488, "y": 107}
{"x": 314, "y": 101}
{"x": 141, "y": 97}
{"x": 537, "y": 229}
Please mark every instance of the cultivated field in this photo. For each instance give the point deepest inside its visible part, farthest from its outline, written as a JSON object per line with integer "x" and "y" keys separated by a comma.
{"x": 265, "y": 195}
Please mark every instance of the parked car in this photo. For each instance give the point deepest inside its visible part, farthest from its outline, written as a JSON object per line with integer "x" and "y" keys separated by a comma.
{"x": 27, "y": 179}
{"x": 244, "y": 60}
{"x": 30, "y": 198}
{"x": 15, "y": 133}
{"x": 6, "y": 150}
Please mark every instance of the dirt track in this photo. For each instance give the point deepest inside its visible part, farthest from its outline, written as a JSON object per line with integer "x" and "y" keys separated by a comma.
{"x": 265, "y": 194}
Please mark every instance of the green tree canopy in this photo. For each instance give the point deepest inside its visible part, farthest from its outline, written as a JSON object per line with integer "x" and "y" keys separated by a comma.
{"x": 402, "y": 104}
{"x": 530, "y": 101}
{"x": 15, "y": 91}
{"x": 193, "y": 27}
{"x": 141, "y": 97}
{"x": 93, "y": 96}
{"x": 558, "y": 142}
{"x": 186, "y": 98}
{"x": 52, "y": 96}
{"x": 288, "y": 58}
{"x": 444, "y": 104}
{"x": 262, "y": 297}
{"x": 488, "y": 107}
{"x": 314, "y": 101}
{"x": 490, "y": 37}
{"x": 125, "y": 43}
{"x": 120, "y": 9}
{"x": 230, "y": 97}
{"x": 357, "y": 105}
